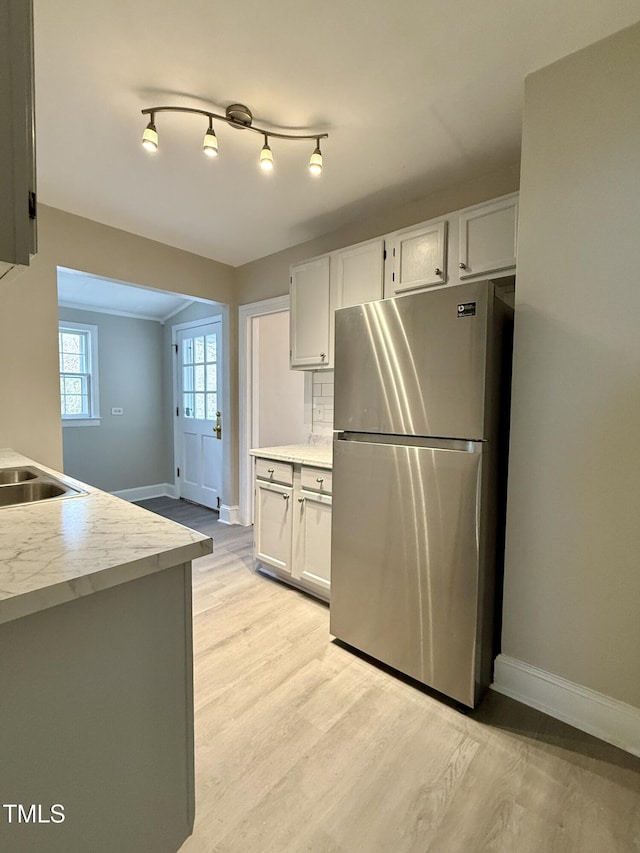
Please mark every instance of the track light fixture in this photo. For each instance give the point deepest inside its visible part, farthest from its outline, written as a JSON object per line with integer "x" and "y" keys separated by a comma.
{"x": 238, "y": 116}
{"x": 150, "y": 137}
{"x": 315, "y": 162}
{"x": 210, "y": 143}
{"x": 266, "y": 156}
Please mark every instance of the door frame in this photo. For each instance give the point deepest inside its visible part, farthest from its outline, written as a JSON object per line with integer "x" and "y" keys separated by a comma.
{"x": 222, "y": 379}
{"x": 246, "y": 315}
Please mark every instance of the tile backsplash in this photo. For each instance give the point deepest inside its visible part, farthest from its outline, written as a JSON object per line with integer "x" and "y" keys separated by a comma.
{"x": 322, "y": 403}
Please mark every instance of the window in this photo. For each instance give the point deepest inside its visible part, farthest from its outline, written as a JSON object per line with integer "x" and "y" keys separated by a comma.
{"x": 200, "y": 377}
{"x": 78, "y": 352}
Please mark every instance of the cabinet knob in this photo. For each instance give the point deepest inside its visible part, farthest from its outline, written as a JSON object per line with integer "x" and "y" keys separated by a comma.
{"x": 437, "y": 271}
{"x": 286, "y": 497}
{"x": 462, "y": 266}
{"x": 300, "y": 500}
{"x": 323, "y": 355}
{"x": 320, "y": 480}
{"x": 269, "y": 470}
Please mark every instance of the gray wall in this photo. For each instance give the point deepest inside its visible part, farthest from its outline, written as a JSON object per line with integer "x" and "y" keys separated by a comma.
{"x": 572, "y": 584}
{"x": 124, "y": 451}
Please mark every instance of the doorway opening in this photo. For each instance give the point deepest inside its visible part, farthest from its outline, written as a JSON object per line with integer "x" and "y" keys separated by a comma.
{"x": 198, "y": 422}
{"x": 125, "y": 443}
{"x": 275, "y": 401}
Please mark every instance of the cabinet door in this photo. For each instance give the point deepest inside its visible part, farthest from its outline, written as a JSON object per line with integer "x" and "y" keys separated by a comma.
{"x": 358, "y": 274}
{"x": 313, "y": 552}
{"x": 310, "y": 291}
{"x": 488, "y": 235}
{"x": 273, "y": 525}
{"x": 419, "y": 257}
{"x": 17, "y": 135}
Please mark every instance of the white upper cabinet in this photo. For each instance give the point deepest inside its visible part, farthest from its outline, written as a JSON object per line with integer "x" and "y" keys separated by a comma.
{"x": 474, "y": 243}
{"x": 320, "y": 286}
{"x": 417, "y": 258}
{"x": 488, "y": 238}
{"x": 310, "y": 300}
{"x": 17, "y": 156}
{"x": 358, "y": 274}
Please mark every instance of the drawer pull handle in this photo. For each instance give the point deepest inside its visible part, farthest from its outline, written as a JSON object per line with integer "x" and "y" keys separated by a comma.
{"x": 300, "y": 500}
{"x": 270, "y": 470}
{"x": 320, "y": 480}
{"x": 286, "y": 497}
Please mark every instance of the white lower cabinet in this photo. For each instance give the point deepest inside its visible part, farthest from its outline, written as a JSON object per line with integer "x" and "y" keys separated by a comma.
{"x": 292, "y": 525}
{"x": 312, "y": 552}
{"x": 273, "y": 525}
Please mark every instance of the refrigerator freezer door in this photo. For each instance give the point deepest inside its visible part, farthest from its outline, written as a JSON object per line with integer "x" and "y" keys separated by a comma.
{"x": 405, "y": 559}
{"x": 414, "y": 365}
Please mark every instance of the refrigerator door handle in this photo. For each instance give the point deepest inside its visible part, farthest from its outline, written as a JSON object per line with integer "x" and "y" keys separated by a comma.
{"x": 461, "y": 444}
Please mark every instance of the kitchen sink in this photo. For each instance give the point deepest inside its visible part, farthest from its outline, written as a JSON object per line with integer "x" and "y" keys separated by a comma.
{"x": 17, "y": 475}
{"x": 26, "y": 485}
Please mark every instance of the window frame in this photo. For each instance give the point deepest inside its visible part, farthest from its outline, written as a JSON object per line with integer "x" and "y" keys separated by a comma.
{"x": 91, "y": 334}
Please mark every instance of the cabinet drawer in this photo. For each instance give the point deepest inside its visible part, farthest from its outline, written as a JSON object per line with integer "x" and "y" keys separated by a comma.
{"x": 316, "y": 479}
{"x": 274, "y": 472}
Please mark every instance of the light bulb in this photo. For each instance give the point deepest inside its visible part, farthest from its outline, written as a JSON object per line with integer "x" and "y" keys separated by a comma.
{"x": 315, "y": 162}
{"x": 150, "y": 138}
{"x": 210, "y": 144}
{"x": 266, "y": 158}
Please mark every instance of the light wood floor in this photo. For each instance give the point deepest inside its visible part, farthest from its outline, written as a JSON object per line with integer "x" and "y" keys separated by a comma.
{"x": 303, "y": 746}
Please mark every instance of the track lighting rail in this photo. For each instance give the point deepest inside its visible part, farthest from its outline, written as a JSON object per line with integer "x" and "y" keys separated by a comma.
{"x": 240, "y": 117}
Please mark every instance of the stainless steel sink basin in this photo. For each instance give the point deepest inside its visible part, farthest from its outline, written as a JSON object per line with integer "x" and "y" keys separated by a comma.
{"x": 26, "y": 484}
{"x": 17, "y": 475}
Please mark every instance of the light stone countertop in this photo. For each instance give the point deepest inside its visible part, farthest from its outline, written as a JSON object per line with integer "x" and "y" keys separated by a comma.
{"x": 58, "y": 550}
{"x": 319, "y": 455}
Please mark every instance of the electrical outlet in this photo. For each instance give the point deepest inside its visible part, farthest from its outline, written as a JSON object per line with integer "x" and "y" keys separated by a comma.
{"x": 116, "y": 410}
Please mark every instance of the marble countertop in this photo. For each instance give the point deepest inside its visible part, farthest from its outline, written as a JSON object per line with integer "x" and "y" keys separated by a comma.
{"x": 57, "y": 550}
{"x": 320, "y": 455}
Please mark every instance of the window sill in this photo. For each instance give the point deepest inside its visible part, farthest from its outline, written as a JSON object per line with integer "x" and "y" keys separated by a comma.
{"x": 81, "y": 422}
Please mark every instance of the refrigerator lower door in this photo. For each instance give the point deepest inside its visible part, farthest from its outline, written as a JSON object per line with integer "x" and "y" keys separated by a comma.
{"x": 405, "y": 559}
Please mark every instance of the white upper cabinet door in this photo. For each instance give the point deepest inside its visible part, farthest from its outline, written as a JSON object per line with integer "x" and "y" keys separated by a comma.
{"x": 488, "y": 236}
{"x": 310, "y": 317}
{"x": 358, "y": 274}
{"x": 419, "y": 257}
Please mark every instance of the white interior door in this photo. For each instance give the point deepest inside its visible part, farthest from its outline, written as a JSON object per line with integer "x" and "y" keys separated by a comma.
{"x": 199, "y": 439}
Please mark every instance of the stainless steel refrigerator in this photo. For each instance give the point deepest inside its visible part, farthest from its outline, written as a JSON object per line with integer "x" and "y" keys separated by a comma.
{"x": 419, "y": 479}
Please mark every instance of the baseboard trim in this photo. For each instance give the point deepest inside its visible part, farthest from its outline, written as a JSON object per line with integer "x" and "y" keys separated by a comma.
{"x": 592, "y": 712}
{"x": 229, "y": 514}
{"x": 145, "y": 493}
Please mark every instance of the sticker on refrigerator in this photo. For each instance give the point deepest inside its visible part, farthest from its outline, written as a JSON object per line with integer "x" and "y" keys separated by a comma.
{"x": 466, "y": 309}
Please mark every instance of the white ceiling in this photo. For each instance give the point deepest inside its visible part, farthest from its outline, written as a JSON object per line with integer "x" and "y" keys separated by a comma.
{"x": 93, "y": 293}
{"x": 416, "y": 95}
